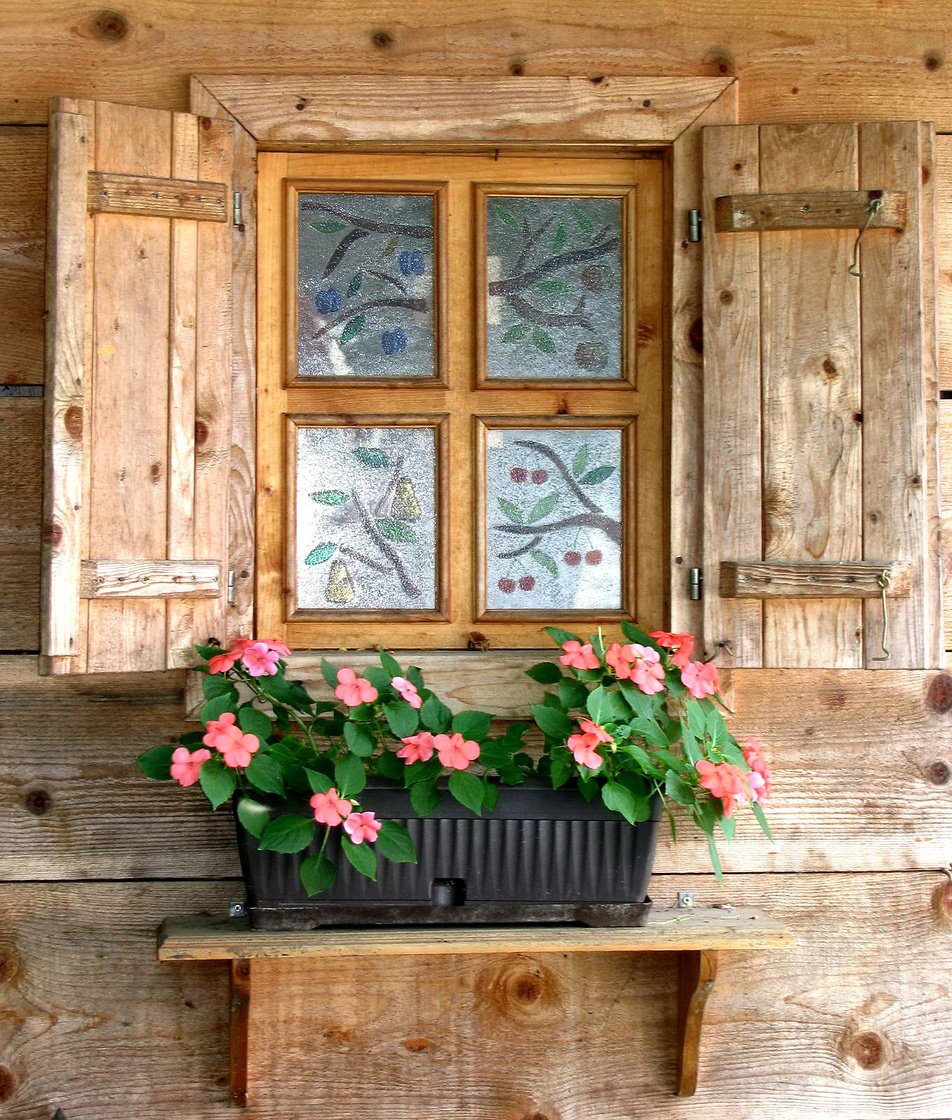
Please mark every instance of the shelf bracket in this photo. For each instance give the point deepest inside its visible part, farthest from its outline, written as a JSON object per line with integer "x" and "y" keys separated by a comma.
{"x": 697, "y": 971}
{"x": 239, "y": 989}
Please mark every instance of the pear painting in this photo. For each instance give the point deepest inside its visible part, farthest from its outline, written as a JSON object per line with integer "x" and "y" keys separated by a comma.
{"x": 405, "y": 506}
{"x": 340, "y": 589}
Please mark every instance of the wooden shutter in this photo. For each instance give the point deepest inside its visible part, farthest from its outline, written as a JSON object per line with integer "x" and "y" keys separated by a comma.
{"x": 138, "y": 387}
{"x": 820, "y": 396}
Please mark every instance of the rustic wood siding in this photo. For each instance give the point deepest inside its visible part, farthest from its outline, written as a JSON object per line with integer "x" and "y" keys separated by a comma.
{"x": 854, "y": 1024}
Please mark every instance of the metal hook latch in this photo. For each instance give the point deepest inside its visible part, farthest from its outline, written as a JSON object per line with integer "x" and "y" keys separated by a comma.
{"x": 884, "y": 579}
{"x": 872, "y": 209}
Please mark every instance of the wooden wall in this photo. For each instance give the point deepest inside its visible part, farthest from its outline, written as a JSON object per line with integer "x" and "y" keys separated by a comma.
{"x": 853, "y": 1024}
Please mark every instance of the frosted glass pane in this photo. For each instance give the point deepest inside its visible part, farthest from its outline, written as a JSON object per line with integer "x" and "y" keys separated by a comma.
{"x": 554, "y": 519}
{"x": 366, "y": 518}
{"x": 554, "y": 287}
{"x": 365, "y": 285}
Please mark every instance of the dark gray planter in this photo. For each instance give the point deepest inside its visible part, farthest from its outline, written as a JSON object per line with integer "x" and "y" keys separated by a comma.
{"x": 542, "y": 855}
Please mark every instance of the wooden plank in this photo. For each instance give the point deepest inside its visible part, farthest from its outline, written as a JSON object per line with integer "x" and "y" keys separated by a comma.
{"x": 696, "y": 975}
{"x": 239, "y": 993}
{"x": 295, "y": 110}
{"x": 732, "y": 416}
{"x": 806, "y": 209}
{"x": 811, "y": 399}
{"x": 111, "y": 193}
{"x": 819, "y": 580}
{"x": 151, "y": 579}
{"x": 62, "y": 634}
{"x": 22, "y": 240}
{"x": 945, "y": 484}
{"x": 21, "y": 488}
{"x": 894, "y": 427}
{"x": 943, "y": 252}
{"x": 686, "y": 400}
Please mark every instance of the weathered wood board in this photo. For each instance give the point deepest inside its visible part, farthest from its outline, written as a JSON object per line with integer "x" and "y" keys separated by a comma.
{"x": 21, "y": 452}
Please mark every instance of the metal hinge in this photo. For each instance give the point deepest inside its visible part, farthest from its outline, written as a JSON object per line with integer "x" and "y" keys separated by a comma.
{"x": 694, "y": 225}
{"x": 231, "y": 588}
{"x": 236, "y": 217}
{"x": 695, "y": 579}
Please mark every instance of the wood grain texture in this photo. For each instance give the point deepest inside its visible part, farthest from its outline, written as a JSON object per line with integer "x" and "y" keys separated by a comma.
{"x": 21, "y": 446}
{"x": 151, "y": 579}
{"x": 810, "y": 209}
{"x": 697, "y": 973}
{"x": 22, "y": 239}
{"x": 943, "y": 252}
{"x": 157, "y": 197}
{"x": 817, "y": 580}
{"x": 945, "y": 487}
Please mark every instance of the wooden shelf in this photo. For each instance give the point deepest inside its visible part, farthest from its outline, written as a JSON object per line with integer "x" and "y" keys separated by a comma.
{"x": 696, "y": 934}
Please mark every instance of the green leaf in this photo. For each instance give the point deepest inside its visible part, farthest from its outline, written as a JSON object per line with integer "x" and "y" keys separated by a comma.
{"x": 599, "y": 474}
{"x": 572, "y": 694}
{"x": 394, "y": 843}
{"x": 390, "y": 248}
{"x": 715, "y": 859}
{"x": 560, "y": 636}
{"x": 472, "y": 725}
{"x": 329, "y": 673}
{"x": 582, "y": 220}
{"x": 580, "y": 460}
{"x": 678, "y": 789}
{"x": 289, "y": 834}
{"x": 361, "y": 857}
{"x": 728, "y": 827}
{"x": 402, "y": 720}
{"x": 253, "y": 722}
{"x": 561, "y": 772}
{"x": 544, "y": 560}
{"x": 317, "y": 873}
{"x": 507, "y": 215}
{"x": 351, "y": 329}
{"x": 605, "y": 706}
{"x": 213, "y": 684}
{"x": 545, "y": 672}
{"x": 543, "y": 507}
{"x": 423, "y": 771}
{"x": 468, "y": 790}
{"x": 378, "y": 677}
{"x": 394, "y": 530}
{"x": 435, "y": 715}
{"x": 216, "y": 707}
{"x": 512, "y": 511}
{"x": 514, "y": 333}
{"x": 555, "y": 723}
{"x": 331, "y": 226}
{"x": 218, "y": 782}
{"x": 350, "y": 776}
{"x": 207, "y": 652}
{"x": 543, "y": 341}
{"x": 355, "y": 283}
{"x": 620, "y": 800}
{"x": 424, "y": 797}
{"x": 558, "y": 242}
{"x": 359, "y": 742}
{"x": 156, "y": 763}
{"x": 761, "y": 820}
{"x": 552, "y": 287}
{"x": 374, "y": 457}
{"x": 390, "y": 664}
{"x": 254, "y": 816}
{"x": 634, "y": 634}
{"x": 495, "y": 755}
{"x": 264, "y": 773}
{"x": 639, "y": 702}
{"x": 322, "y": 553}
{"x": 319, "y": 783}
{"x": 329, "y": 498}
{"x": 387, "y": 765}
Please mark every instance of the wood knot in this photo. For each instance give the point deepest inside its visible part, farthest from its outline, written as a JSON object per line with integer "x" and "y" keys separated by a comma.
{"x": 9, "y": 966}
{"x": 523, "y": 990}
{"x": 933, "y": 61}
{"x": 829, "y": 369}
{"x": 201, "y": 432}
{"x": 301, "y": 105}
{"x": 340, "y": 1035}
{"x": 38, "y": 802}
{"x": 155, "y": 472}
{"x": 7, "y": 1084}
{"x": 478, "y": 640}
{"x": 835, "y": 698}
{"x": 517, "y": 67}
{"x": 647, "y": 332}
{"x": 942, "y": 904}
{"x": 696, "y": 335}
{"x": 53, "y": 534}
{"x": 726, "y": 296}
{"x": 416, "y": 1045}
{"x": 73, "y": 421}
{"x": 939, "y": 696}
{"x": 646, "y": 104}
{"x": 110, "y": 27}
{"x": 718, "y": 60}
{"x": 938, "y": 772}
{"x": 868, "y": 1050}
{"x": 382, "y": 40}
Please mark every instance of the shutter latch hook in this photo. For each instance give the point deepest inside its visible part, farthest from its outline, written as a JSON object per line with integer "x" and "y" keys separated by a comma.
{"x": 884, "y": 579}
{"x": 872, "y": 209}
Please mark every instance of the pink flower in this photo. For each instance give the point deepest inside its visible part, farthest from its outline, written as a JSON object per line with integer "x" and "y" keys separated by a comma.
{"x": 456, "y": 752}
{"x": 637, "y": 663}
{"x": 186, "y": 764}
{"x": 354, "y": 690}
{"x": 726, "y": 781}
{"x": 418, "y": 748}
{"x": 330, "y": 808}
{"x": 219, "y": 728}
{"x": 278, "y": 647}
{"x": 259, "y": 660}
{"x": 237, "y": 748}
{"x": 590, "y": 728}
{"x": 759, "y": 776}
{"x": 577, "y": 656}
{"x": 682, "y": 644}
{"x": 584, "y": 750}
{"x": 223, "y": 662}
{"x": 700, "y": 679}
{"x": 362, "y": 826}
{"x": 408, "y": 692}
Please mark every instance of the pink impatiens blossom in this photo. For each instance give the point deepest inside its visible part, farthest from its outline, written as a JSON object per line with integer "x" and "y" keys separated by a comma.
{"x": 408, "y": 691}
{"x": 259, "y": 660}
{"x": 584, "y": 750}
{"x": 590, "y": 728}
{"x": 577, "y": 656}
{"x": 237, "y": 748}
{"x": 455, "y": 752}
{"x": 417, "y": 748}
{"x": 220, "y": 728}
{"x": 223, "y": 662}
{"x": 726, "y": 781}
{"x": 637, "y": 663}
{"x": 700, "y": 679}
{"x": 330, "y": 808}
{"x": 682, "y": 644}
{"x": 186, "y": 764}
{"x": 362, "y": 826}
{"x": 354, "y": 690}
{"x": 759, "y": 776}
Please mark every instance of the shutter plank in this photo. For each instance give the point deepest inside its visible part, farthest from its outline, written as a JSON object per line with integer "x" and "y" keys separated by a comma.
{"x": 811, "y": 397}
{"x": 732, "y": 422}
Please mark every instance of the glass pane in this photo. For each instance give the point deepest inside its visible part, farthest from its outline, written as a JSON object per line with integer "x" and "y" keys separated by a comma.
{"x": 365, "y": 285}
{"x": 366, "y": 519}
{"x": 553, "y": 501}
{"x": 554, "y": 287}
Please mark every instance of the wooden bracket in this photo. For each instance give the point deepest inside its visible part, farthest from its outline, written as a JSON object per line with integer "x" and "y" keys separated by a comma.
{"x": 157, "y": 198}
{"x": 742, "y": 213}
{"x": 818, "y": 580}
{"x": 697, "y": 971}
{"x": 150, "y": 579}
{"x": 239, "y": 989}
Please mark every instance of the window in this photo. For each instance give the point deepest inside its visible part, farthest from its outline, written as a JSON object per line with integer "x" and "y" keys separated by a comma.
{"x": 460, "y": 397}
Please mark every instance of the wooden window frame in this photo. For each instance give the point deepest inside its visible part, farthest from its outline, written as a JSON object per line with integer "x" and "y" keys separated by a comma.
{"x": 570, "y": 115}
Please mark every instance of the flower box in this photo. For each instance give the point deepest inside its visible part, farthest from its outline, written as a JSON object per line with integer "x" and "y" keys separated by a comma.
{"x": 542, "y": 855}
